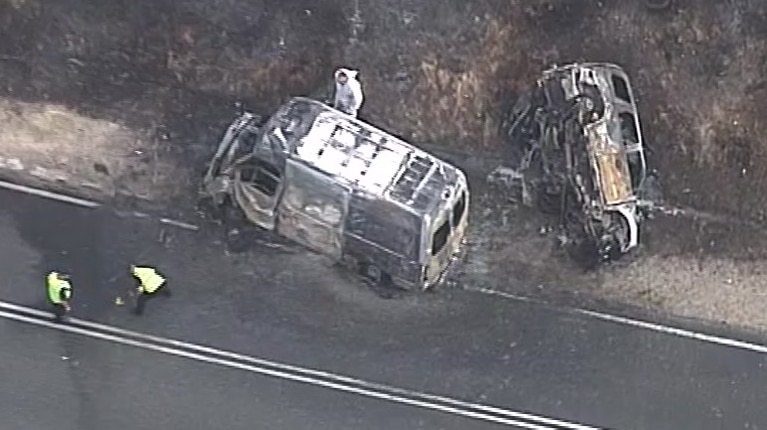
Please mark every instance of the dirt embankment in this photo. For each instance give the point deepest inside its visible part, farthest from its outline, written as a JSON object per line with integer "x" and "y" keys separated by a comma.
{"x": 130, "y": 96}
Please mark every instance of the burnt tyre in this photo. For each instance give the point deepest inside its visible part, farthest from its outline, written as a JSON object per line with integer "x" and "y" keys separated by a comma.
{"x": 380, "y": 282}
{"x": 580, "y": 245}
{"x": 374, "y": 274}
{"x": 616, "y": 240}
{"x": 239, "y": 235}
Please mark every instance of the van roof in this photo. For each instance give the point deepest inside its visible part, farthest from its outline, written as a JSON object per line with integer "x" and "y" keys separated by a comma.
{"x": 369, "y": 159}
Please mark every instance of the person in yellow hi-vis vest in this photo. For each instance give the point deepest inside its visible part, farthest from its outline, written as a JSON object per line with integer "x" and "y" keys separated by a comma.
{"x": 59, "y": 294}
{"x": 149, "y": 283}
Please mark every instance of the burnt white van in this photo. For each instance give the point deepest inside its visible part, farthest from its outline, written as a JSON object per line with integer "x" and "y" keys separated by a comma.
{"x": 345, "y": 189}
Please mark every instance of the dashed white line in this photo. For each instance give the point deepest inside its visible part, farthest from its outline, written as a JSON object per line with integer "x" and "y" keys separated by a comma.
{"x": 675, "y": 331}
{"x": 290, "y": 372}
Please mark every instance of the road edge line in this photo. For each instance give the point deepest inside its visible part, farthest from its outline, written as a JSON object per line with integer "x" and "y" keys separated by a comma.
{"x": 424, "y": 402}
{"x": 633, "y": 322}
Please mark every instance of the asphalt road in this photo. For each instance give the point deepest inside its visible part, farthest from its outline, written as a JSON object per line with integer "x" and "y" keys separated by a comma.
{"x": 100, "y": 385}
{"x": 292, "y": 307}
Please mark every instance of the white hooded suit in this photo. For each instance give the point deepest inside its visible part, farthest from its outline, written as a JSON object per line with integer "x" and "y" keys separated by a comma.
{"x": 348, "y": 97}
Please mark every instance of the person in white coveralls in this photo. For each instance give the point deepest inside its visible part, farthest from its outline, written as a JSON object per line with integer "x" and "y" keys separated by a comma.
{"x": 348, "y": 94}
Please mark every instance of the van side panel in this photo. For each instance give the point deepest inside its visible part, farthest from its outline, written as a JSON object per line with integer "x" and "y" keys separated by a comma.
{"x": 312, "y": 210}
{"x": 382, "y": 233}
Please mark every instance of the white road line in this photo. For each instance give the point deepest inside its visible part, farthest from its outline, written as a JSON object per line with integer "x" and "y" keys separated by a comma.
{"x": 49, "y": 195}
{"x": 293, "y": 373}
{"x": 87, "y": 203}
{"x": 734, "y": 343}
{"x": 675, "y": 331}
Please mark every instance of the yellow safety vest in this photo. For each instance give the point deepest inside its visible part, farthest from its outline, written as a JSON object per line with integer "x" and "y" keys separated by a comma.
{"x": 149, "y": 278}
{"x": 56, "y": 287}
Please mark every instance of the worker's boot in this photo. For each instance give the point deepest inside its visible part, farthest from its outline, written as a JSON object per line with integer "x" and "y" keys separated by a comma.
{"x": 59, "y": 314}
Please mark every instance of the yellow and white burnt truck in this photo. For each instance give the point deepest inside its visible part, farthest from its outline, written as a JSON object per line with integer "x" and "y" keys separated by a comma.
{"x": 577, "y": 139}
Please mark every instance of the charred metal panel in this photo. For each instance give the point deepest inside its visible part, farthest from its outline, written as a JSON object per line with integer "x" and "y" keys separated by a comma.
{"x": 385, "y": 225}
{"x": 371, "y": 160}
{"x": 259, "y": 208}
{"x": 382, "y": 233}
{"x": 312, "y": 210}
{"x": 351, "y": 154}
{"x": 399, "y": 268}
{"x": 423, "y": 184}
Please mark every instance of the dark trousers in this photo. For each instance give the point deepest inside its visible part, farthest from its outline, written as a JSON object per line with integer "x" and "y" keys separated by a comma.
{"x": 59, "y": 312}
{"x": 142, "y": 298}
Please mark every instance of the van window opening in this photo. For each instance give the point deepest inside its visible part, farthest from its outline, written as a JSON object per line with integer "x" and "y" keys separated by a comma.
{"x": 459, "y": 209}
{"x": 635, "y": 169}
{"x": 261, "y": 175}
{"x": 440, "y": 238}
{"x": 378, "y": 228}
{"x": 628, "y": 127}
{"x": 621, "y": 88}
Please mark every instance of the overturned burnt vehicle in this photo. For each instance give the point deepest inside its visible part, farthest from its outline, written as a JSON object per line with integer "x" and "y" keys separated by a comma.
{"x": 575, "y": 138}
{"x": 345, "y": 189}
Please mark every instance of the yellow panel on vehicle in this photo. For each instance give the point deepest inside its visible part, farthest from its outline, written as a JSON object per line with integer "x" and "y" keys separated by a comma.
{"x": 614, "y": 176}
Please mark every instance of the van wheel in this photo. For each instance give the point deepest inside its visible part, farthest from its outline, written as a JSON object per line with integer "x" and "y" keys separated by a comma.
{"x": 374, "y": 274}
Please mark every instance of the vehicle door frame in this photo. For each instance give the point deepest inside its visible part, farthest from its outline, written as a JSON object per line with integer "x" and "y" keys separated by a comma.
{"x": 259, "y": 206}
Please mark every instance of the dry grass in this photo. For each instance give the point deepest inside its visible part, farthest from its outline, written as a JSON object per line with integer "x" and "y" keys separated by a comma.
{"x": 454, "y": 96}
{"x": 454, "y": 103}
{"x": 58, "y": 139}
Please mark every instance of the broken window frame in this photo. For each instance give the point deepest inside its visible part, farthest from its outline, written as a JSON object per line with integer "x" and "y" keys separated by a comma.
{"x": 459, "y": 210}
{"x": 261, "y": 170}
{"x": 441, "y": 237}
{"x": 621, "y": 88}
